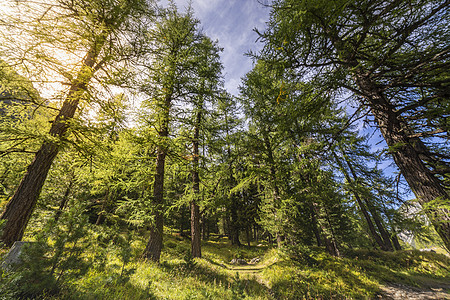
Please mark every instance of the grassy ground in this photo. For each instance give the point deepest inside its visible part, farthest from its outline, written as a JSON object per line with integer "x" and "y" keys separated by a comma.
{"x": 309, "y": 274}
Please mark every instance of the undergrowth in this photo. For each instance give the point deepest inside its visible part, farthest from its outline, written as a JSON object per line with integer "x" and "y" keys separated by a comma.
{"x": 118, "y": 272}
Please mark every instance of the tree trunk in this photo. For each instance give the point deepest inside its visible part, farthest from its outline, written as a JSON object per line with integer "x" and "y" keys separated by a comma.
{"x": 379, "y": 222}
{"x": 234, "y": 223}
{"x": 395, "y": 242}
{"x": 64, "y": 200}
{"x": 270, "y": 239}
{"x": 195, "y": 210}
{"x": 181, "y": 227}
{"x": 381, "y": 241}
{"x": 328, "y": 239}
{"x": 153, "y": 249}
{"x": 422, "y": 182}
{"x": 248, "y": 234}
{"x": 195, "y": 231}
{"x": 276, "y": 190}
{"x": 255, "y": 233}
{"x": 19, "y": 209}
{"x": 333, "y": 241}
{"x": 204, "y": 226}
{"x": 315, "y": 225}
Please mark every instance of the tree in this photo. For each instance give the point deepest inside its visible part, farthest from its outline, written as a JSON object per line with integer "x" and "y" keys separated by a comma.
{"x": 208, "y": 72}
{"x": 171, "y": 47}
{"x": 92, "y": 29}
{"x": 393, "y": 57}
{"x": 352, "y": 157}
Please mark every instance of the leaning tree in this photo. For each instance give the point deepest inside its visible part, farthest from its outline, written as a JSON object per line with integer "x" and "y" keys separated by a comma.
{"x": 66, "y": 42}
{"x": 393, "y": 57}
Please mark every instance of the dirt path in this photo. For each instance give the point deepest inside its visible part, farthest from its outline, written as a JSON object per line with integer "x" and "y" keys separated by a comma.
{"x": 398, "y": 291}
{"x": 252, "y": 269}
{"x": 432, "y": 290}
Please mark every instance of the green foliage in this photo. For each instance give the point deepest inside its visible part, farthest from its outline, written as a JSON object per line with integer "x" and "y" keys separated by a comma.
{"x": 31, "y": 278}
{"x": 291, "y": 170}
{"x": 52, "y": 260}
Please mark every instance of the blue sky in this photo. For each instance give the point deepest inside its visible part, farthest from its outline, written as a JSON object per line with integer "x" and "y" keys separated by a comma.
{"x": 231, "y": 22}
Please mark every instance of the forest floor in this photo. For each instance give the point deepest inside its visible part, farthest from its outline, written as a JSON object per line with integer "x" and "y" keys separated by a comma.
{"x": 290, "y": 273}
{"x": 429, "y": 289}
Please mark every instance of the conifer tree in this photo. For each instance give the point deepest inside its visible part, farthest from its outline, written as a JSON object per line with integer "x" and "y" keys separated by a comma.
{"x": 393, "y": 57}
{"x": 89, "y": 30}
{"x": 172, "y": 45}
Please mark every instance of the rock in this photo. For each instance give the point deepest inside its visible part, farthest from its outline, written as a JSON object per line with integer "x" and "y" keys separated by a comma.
{"x": 238, "y": 261}
{"x": 13, "y": 256}
{"x": 255, "y": 260}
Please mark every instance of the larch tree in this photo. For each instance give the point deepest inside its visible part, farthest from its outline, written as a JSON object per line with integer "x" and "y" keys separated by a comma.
{"x": 207, "y": 72}
{"x": 69, "y": 41}
{"x": 393, "y": 56}
{"x": 169, "y": 70}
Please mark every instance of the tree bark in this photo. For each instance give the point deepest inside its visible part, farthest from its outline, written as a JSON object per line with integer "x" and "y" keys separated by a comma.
{"x": 195, "y": 210}
{"x": 422, "y": 182}
{"x": 234, "y": 222}
{"x": 379, "y": 222}
{"x": 195, "y": 231}
{"x": 373, "y": 211}
{"x": 333, "y": 242}
{"x": 153, "y": 249}
{"x": 396, "y": 243}
{"x": 276, "y": 190}
{"x": 19, "y": 209}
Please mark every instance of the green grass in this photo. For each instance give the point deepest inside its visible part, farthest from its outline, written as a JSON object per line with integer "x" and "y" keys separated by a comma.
{"x": 312, "y": 274}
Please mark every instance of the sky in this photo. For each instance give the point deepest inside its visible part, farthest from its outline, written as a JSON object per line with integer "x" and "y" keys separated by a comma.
{"x": 231, "y": 22}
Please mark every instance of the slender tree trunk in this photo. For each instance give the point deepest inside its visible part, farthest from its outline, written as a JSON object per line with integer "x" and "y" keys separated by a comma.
{"x": 234, "y": 223}
{"x": 328, "y": 238}
{"x": 153, "y": 249}
{"x": 276, "y": 191}
{"x": 315, "y": 225}
{"x": 248, "y": 234}
{"x": 333, "y": 240}
{"x": 386, "y": 246}
{"x": 19, "y": 209}
{"x": 195, "y": 210}
{"x": 181, "y": 227}
{"x": 395, "y": 242}
{"x": 227, "y": 225}
{"x": 64, "y": 199}
{"x": 379, "y": 222}
{"x": 422, "y": 182}
{"x": 204, "y": 226}
{"x": 195, "y": 231}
